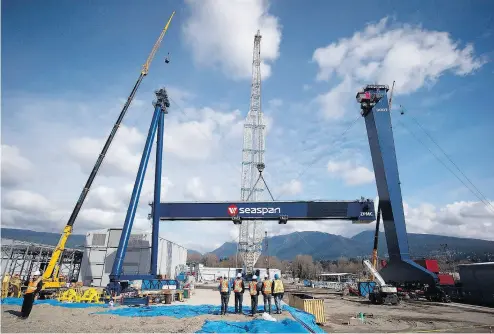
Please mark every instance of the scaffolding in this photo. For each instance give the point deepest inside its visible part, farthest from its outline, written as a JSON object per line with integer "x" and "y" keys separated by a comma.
{"x": 22, "y": 258}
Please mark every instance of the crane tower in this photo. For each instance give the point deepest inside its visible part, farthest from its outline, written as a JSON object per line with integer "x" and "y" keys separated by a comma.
{"x": 251, "y": 232}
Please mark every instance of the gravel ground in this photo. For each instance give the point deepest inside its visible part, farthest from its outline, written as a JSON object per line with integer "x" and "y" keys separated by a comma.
{"x": 53, "y": 319}
{"x": 340, "y": 317}
{"x": 406, "y": 317}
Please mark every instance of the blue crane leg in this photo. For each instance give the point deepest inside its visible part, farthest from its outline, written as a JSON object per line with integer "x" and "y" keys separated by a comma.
{"x": 400, "y": 268}
{"x": 134, "y": 200}
{"x": 157, "y": 195}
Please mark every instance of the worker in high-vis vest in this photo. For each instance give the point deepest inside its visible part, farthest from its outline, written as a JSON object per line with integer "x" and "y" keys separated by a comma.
{"x": 254, "y": 289}
{"x": 225, "y": 288}
{"x": 238, "y": 289}
{"x": 278, "y": 291}
{"x": 34, "y": 286}
{"x": 267, "y": 287}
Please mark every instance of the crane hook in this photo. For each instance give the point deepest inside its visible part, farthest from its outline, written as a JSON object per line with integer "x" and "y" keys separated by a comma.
{"x": 167, "y": 58}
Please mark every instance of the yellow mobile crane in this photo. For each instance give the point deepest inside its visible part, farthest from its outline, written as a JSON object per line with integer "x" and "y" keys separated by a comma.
{"x": 51, "y": 280}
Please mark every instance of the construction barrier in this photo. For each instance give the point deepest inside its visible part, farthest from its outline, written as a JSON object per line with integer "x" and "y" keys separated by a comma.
{"x": 309, "y": 304}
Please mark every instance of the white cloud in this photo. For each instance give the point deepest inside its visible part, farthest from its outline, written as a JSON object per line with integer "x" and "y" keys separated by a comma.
{"x": 15, "y": 167}
{"x": 293, "y": 187}
{"x": 223, "y": 36}
{"x": 412, "y": 56}
{"x": 121, "y": 158}
{"x": 26, "y": 201}
{"x": 194, "y": 189}
{"x": 275, "y": 103}
{"x": 350, "y": 172}
{"x": 462, "y": 219}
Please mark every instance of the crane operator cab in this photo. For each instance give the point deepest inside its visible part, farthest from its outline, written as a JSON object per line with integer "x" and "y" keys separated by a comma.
{"x": 368, "y": 97}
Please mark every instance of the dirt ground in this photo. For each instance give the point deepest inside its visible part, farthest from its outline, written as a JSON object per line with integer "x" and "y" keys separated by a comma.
{"x": 340, "y": 312}
{"x": 341, "y": 316}
{"x": 54, "y": 319}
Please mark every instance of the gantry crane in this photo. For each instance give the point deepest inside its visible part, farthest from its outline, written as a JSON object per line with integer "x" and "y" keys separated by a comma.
{"x": 51, "y": 280}
{"x": 378, "y": 219}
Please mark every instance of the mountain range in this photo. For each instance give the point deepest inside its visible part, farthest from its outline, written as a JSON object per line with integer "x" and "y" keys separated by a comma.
{"x": 325, "y": 246}
{"x": 321, "y": 246}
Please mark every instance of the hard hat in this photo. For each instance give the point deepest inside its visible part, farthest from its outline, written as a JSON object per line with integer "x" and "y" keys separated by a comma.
{"x": 36, "y": 273}
{"x": 239, "y": 275}
{"x": 266, "y": 276}
{"x": 276, "y": 276}
{"x": 254, "y": 277}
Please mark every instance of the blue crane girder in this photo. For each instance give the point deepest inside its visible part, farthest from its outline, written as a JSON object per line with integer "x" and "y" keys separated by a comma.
{"x": 357, "y": 211}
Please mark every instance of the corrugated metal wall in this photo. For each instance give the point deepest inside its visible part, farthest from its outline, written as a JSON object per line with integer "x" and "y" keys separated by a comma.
{"x": 100, "y": 253}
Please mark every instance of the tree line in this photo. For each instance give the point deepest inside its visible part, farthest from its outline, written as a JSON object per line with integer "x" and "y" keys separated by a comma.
{"x": 303, "y": 266}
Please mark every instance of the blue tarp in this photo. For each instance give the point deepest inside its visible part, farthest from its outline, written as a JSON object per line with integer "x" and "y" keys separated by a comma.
{"x": 255, "y": 326}
{"x": 188, "y": 311}
{"x": 308, "y": 319}
{"x": 52, "y": 302}
{"x": 176, "y": 311}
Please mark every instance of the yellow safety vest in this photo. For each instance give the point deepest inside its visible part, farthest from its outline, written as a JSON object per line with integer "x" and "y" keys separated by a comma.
{"x": 32, "y": 286}
{"x": 267, "y": 287}
{"x": 278, "y": 286}
{"x": 253, "y": 288}
{"x": 238, "y": 286}
{"x": 224, "y": 286}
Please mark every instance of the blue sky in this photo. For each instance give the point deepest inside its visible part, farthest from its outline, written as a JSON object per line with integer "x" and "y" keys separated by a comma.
{"x": 67, "y": 68}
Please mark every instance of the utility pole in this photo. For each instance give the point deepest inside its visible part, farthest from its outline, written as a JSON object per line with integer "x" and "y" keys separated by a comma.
{"x": 267, "y": 251}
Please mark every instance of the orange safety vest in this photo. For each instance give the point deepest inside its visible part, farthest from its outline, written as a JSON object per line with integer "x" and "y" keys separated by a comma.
{"x": 224, "y": 285}
{"x": 238, "y": 285}
{"x": 267, "y": 287}
{"x": 32, "y": 286}
{"x": 253, "y": 288}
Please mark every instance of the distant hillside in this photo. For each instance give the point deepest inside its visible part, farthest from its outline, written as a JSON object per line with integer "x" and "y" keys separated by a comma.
{"x": 425, "y": 244}
{"x": 325, "y": 246}
{"x": 46, "y": 238}
{"x": 321, "y": 246}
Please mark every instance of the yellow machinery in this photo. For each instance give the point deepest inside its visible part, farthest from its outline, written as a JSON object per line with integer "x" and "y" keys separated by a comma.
{"x": 11, "y": 286}
{"x": 51, "y": 280}
{"x": 77, "y": 295}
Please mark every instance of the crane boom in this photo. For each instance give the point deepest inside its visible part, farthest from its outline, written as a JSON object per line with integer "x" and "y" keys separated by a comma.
{"x": 50, "y": 269}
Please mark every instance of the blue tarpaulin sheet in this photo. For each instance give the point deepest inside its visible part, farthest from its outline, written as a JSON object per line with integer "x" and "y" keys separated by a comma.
{"x": 255, "y": 326}
{"x": 308, "y": 319}
{"x": 52, "y": 302}
{"x": 188, "y": 311}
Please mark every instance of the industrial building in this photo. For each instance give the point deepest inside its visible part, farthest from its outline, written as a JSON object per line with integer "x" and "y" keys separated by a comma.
{"x": 22, "y": 258}
{"x": 101, "y": 248}
{"x": 209, "y": 274}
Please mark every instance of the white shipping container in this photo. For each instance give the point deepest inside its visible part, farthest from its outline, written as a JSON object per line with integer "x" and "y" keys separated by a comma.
{"x": 100, "y": 252}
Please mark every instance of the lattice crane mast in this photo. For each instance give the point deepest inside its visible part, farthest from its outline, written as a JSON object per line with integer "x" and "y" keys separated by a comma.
{"x": 50, "y": 275}
{"x": 251, "y": 232}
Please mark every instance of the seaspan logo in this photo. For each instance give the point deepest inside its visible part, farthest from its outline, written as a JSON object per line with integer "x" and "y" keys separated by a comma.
{"x": 232, "y": 210}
